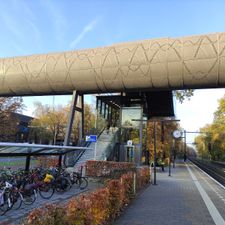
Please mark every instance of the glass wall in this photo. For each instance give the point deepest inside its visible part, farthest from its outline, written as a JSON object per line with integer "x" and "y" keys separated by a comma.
{"x": 106, "y": 114}
{"x": 130, "y": 124}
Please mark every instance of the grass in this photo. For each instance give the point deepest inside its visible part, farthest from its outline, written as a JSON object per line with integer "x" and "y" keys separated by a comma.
{"x": 17, "y": 163}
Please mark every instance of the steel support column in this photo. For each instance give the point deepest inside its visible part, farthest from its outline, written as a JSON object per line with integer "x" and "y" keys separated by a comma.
{"x": 81, "y": 101}
{"x": 141, "y": 138}
{"x": 71, "y": 118}
{"x": 60, "y": 161}
{"x": 27, "y": 166}
{"x": 185, "y": 141}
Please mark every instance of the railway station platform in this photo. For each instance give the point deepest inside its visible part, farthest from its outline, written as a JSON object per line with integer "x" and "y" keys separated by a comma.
{"x": 188, "y": 197}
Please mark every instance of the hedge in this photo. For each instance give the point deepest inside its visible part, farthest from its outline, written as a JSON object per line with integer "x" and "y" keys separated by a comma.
{"x": 99, "y": 207}
{"x": 107, "y": 168}
{"x": 46, "y": 161}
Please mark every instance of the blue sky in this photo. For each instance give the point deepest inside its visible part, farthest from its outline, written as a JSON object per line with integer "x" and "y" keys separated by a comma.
{"x": 42, "y": 26}
{"x": 39, "y": 26}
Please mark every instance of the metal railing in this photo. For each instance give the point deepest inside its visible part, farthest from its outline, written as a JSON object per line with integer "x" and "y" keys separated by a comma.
{"x": 111, "y": 146}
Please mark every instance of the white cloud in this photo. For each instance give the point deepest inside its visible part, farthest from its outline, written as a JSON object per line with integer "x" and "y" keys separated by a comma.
{"x": 36, "y": 31}
{"x": 57, "y": 17}
{"x": 18, "y": 27}
{"x": 22, "y": 6}
{"x": 11, "y": 25}
{"x": 88, "y": 28}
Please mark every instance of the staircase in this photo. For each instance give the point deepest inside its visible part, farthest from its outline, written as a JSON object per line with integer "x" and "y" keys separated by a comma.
{"x": 104, "y": 145}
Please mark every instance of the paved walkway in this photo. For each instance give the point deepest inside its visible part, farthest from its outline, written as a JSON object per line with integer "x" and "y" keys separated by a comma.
{"x": 188, "y": 197}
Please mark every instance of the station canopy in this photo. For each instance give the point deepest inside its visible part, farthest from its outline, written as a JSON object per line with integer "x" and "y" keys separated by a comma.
{"x": 20, "y": 149}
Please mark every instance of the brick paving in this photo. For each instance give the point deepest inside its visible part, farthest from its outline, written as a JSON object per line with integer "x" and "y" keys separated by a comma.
{"x": 174, "y": 200}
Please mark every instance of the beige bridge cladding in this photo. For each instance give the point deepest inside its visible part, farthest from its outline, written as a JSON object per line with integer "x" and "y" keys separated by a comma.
{"x": 165, "y": 63}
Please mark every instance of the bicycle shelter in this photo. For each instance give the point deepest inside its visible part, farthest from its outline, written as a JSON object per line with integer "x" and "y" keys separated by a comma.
{"x": 28, "y": 150}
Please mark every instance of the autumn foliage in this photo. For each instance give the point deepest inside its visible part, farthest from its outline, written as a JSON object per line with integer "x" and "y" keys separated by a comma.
{"x": 46, "y": 162}
{"x": 107, "y": 168}
{"x": 95, "y": 208}
{"x": 8, "y": 125}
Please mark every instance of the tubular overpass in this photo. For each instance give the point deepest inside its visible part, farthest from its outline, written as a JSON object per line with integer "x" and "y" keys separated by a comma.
{"x": 144, "y": 72}
{"x": 155, "y": 64}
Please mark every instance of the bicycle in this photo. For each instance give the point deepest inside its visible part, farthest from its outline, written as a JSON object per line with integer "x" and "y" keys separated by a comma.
{"x": 6, "y": 201}
{"x": 78, "y": 180}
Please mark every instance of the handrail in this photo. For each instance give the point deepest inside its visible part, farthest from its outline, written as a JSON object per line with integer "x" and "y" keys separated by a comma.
{"x": 102, "y": 130}
{"x": 111, "y": 146}
{"x": 103, "y": 124}
{"x": 82, "y": 152}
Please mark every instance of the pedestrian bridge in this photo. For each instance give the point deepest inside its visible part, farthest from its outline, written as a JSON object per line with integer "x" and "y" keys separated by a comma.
{"x": 155, "y": 64}
{"x": 144, "y": 72}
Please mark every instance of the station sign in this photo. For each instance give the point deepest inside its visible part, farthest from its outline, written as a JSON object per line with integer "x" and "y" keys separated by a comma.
{"x": 91, "y": 138}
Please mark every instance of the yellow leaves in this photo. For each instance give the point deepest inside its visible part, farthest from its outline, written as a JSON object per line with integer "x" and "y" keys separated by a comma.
{"x": 161, "y": 134}
{"x": 50, "y": 123}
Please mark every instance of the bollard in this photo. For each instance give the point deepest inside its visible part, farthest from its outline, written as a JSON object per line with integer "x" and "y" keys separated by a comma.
{"x": 150, "y": 173}
{"x": 134, "y": 183}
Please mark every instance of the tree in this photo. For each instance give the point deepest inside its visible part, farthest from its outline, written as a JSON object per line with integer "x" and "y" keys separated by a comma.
{"x": 89, "y": 119}
{"x": 214, "y": 135}
{"x": 8, "y": 125}
{"x": 202, "y": 141}
{"x": 89, "y": 123}
{"x": 182, "y": 94}
{"x": 163, "y": 149}
{"x": 50, "y": 123}
{"x": 219, "y": 114}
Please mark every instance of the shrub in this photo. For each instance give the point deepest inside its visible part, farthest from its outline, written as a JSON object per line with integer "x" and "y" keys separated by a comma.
{"x": 47, "y": 215}
{"x": 95, "y": 208}
{"x": 127, "y": 181}
{"x": 100, "y": 206}
{"x": 47, "y": 162}
{"x": 78, "y": 211}
{"x": 143, "y": 177}
{"x": 115, "y": 197}
{"x": 107, "y": 168}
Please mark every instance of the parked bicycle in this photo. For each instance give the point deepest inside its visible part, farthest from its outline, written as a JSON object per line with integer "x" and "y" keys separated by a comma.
{"x": 20, "y": 187}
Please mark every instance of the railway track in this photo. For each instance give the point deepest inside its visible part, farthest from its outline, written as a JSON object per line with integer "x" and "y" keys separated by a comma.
{"x": 215, "y": 170}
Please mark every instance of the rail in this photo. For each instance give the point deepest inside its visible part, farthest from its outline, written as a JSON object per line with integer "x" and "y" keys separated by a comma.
{"x": 217, "y": 172}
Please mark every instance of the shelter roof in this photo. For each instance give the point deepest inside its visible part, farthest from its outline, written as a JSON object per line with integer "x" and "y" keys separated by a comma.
{"x": 21, "y": 149}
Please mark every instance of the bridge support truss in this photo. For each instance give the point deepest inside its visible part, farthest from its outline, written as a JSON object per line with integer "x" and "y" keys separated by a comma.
{"x": 77, "y": 105}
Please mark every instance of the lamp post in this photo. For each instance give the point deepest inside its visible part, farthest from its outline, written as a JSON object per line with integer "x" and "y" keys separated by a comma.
{"x": 175, "y": 134}
{"x": 185, "y": 139}
{"x": 154, "y": 123}
{"x": 170, "y": 159}
{"x": 155, "y": 143}
{"x": 185, "y": 145}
